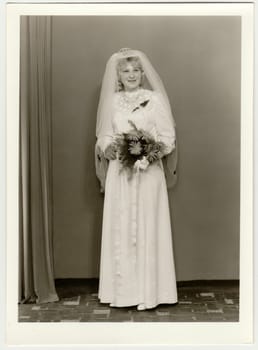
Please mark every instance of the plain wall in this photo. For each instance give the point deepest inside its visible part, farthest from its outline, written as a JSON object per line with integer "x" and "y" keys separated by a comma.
{"x": 198, "y": 59}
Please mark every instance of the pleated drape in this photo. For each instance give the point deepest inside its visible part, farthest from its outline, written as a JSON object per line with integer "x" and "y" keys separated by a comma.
{"x": 36, "y": 280}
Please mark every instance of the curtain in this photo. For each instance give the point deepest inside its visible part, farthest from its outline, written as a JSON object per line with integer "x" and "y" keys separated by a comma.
{"x": 36, "y": 275}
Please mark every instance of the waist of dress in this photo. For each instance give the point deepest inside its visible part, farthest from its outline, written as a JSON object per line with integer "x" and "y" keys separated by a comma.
{"x": 156, "y": 163}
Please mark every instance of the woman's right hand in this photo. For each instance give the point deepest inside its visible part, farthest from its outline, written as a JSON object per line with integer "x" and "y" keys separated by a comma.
{"x": 110, "y": 151}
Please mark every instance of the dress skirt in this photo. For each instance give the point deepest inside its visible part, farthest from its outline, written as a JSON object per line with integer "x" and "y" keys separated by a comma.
{"x": 137, "y": 264}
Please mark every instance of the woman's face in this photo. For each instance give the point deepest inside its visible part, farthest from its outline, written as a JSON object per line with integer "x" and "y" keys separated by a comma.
{"x": 130, "y": 75}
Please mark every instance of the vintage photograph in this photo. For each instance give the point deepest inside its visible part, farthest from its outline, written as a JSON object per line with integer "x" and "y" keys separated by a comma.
{"x": 129, "y": 169}
{"x": 112, "y": 110}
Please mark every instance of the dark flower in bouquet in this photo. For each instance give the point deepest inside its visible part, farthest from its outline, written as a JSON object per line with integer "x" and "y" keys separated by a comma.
{"x": 138, "y": 148}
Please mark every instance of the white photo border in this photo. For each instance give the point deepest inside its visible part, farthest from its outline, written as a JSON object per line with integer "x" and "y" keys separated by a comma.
{"x": 131, "y": 333}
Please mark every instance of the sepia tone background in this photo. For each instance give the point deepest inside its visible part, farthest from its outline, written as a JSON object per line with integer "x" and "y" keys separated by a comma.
{"x": 198, "y": 59}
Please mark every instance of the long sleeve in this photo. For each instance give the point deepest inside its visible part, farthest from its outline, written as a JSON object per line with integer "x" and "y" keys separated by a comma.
{"x": 105, "y": 137}
{"x": 167, "y": 134}
{"x": 103, "y": 141}
{"x": 164, "y": 125}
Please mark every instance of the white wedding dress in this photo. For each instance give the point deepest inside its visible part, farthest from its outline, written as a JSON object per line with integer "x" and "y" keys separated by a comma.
{"x": 137, "y": 264}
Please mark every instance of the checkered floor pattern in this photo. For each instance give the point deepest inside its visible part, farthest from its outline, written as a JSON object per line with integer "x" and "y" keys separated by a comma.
{"x": 198, "y": 301}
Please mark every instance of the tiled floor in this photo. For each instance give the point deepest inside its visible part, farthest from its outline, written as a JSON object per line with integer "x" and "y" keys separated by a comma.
{"x": 203, "y": 301}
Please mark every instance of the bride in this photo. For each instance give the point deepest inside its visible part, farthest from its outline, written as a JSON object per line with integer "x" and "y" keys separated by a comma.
{"x": 137, "y": 264}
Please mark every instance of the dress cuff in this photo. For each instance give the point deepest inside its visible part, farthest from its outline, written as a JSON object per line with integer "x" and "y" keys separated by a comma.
{"x": 103, "y": 142}
{"x": 169, "y": 144}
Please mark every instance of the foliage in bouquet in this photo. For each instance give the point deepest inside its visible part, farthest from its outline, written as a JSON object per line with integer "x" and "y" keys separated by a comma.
{"x": 136, "y": 145}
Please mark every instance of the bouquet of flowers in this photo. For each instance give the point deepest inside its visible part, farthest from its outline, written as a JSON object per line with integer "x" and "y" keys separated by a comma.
{"x": 137, "y": 149}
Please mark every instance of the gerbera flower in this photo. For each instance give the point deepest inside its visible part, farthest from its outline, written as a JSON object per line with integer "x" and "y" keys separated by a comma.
{"x": 135, "y": 148}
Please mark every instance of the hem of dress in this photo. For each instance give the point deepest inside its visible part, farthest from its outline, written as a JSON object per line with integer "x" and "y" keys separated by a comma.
{"x": 147, "y": 305}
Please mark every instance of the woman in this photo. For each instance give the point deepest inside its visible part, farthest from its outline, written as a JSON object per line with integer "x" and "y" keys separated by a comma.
{"x": 137, "y": 266}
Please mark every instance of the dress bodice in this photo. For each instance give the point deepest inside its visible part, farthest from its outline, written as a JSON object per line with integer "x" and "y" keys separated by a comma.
{"x": 137, "y": 107}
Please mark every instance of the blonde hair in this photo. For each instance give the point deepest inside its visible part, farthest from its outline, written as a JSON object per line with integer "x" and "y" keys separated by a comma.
{"x": 134, "y": 60}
